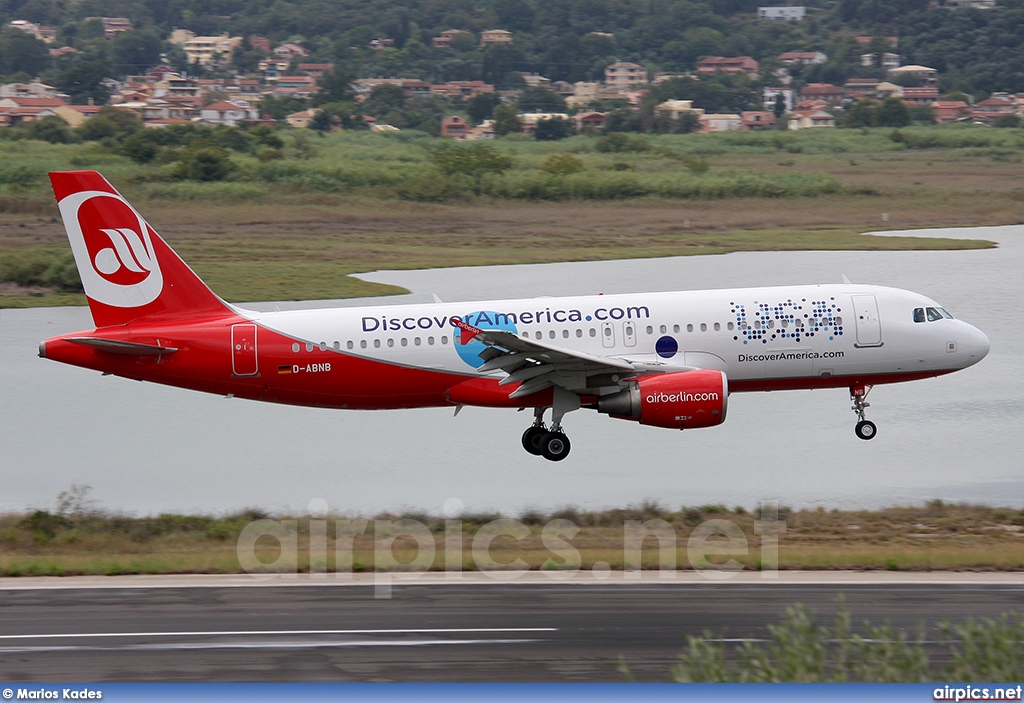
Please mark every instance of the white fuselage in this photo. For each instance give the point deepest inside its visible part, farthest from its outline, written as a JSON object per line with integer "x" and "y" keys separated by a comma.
{"x": 762, "y": 338}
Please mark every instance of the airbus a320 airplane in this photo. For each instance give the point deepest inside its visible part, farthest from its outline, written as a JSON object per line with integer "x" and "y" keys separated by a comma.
{"x": 662, "y": 359}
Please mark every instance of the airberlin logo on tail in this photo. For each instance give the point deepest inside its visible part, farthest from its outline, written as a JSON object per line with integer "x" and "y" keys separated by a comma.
{"x": 113, "y": 249}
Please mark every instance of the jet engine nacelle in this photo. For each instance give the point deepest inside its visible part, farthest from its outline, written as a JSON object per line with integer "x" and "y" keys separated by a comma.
{"x": 683, "y": 400}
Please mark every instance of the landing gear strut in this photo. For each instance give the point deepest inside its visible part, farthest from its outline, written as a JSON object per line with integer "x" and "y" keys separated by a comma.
{"x": 534, "y": 434}
{"x": 552, "y": 444}
{"x": 865, "y": 429}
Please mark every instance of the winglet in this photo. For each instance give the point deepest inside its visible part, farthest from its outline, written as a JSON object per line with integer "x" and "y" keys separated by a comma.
{"x": 468, "y": 330}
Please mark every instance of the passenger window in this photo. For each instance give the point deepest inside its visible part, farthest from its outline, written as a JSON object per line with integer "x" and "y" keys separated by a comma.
{"x": 391, "y": 342}
{"x": 295, "y": 348}
{"x": 934, "y": 315}
{"x": 703, "y": 327}
{"x": 757, "y": 324}
{"x": 839, "y": 321}
{"x": 405, "y": 342}
{"x": 309, "y": 346}
{"x": 689, "y": 328}
{"x": 349, "y": 344}
{"x": 629, "y": 330}
{"x": 663, "y": 329}
{"x": 337, "y": 344}
{"x": 593, "y": 332}
{"x": 417, "y": 341}
{"x": 730, "y": 326}
{"x": 565, "y": 334}
{"x": 717, "y": 327}
{"x": 444, "y": 339}
{"x": 430, "y": 340}
{"x": 376, "y": 344}
{"x": 362, "y": 344}
{"x": 551, "y": 334}
{"x": 538, "y": 334}
{"x": 607, "y": 331}
{"x": 650, "y": 330}
{"x": 675, "y": 328}
{"x": 579, "y": 332}
{"x": 918, "y": 314}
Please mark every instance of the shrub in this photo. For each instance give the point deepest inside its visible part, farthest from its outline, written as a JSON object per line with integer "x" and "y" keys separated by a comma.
{"x": 618, "y": 143}
{"x": 51, "y": 129}
{"x": 473, "y": 161}
{"x": 41, "y": 267}
{"x": 205, "y": 164}
{"x": 562, "y": 164}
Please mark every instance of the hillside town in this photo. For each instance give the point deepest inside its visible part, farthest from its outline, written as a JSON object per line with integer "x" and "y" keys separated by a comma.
{"x": 286, "y": 75}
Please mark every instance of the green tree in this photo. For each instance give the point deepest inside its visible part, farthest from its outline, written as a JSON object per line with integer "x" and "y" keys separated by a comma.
{"x": 335, "y": 86}
{"x": 1010, "y": 121}
{"x": 205, "y": 164}
{"x": 860, "y": 114}
{"x": 22, "y": 53}
{"x": 922, "y": 113}
{"x": 481, "y": 106}
{"x": 51, "y": 129}
{"x": 84, "y": 80}
{"x": 892, "y": 113}
{"x": 552, "y": 129}
{"x": 537, "y": 99}
{"x": 134, "y": 52}
{"x": 110, "y": 122}
{"x": 779, "y": 109}
{"x": 279, "y": 108}
{"x": 383, "y": 99}
{"x": 506, "y": 120}
{"x": 137, "y": 148}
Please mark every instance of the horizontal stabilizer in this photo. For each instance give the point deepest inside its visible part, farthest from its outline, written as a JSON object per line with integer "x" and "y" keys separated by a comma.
{"x": 116, "y": 347}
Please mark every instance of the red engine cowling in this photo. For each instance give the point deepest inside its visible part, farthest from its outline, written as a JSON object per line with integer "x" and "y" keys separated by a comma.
{"x": 683, "y": 400}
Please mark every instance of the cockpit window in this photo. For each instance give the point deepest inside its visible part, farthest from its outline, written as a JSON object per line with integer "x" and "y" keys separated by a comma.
{"x": 945, "y": 314}
{"x": 918, "y": 314}
{"x": 934, "y": 315}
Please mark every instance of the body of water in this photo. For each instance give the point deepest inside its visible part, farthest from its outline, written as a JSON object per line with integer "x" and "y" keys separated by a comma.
{"x": 147, "y": 449}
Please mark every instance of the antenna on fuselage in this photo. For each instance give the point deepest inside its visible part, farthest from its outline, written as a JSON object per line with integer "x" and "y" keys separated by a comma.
{"x": 846, "y": 280}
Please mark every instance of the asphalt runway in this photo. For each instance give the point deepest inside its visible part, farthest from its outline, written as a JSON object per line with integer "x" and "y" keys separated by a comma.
{"x": 535, "y": 630}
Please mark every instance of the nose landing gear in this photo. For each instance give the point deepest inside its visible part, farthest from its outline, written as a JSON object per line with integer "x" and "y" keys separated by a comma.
{"x": 865, "y": 429}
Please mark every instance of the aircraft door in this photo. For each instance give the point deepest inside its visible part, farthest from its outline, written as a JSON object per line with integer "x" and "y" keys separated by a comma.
{"x": 629, "y": 333}
{"x": 869, "y": 326}
{"x": 607, "y": 335}
{"x": 243, "y": 350}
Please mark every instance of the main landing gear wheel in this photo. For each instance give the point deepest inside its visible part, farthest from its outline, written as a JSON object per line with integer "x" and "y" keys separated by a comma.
{"x": 532, "y": 439}
{"x": 865, "y": 429}
{"x": 554, "y": 446}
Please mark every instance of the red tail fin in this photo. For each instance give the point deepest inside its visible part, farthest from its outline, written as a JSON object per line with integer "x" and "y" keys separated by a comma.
{"x": 128, "y": 271}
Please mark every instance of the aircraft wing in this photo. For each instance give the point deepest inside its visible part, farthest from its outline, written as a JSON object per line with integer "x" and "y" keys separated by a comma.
{"x": 537, "y": 365}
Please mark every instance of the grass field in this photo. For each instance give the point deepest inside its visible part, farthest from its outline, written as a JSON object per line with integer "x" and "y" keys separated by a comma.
{"x": 295, "y": 228}
{"x": 936, "y": 536}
